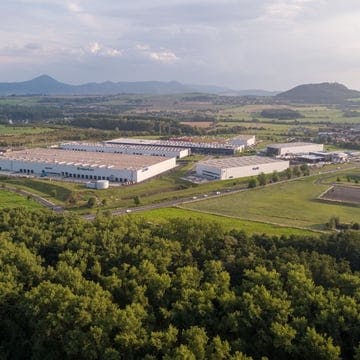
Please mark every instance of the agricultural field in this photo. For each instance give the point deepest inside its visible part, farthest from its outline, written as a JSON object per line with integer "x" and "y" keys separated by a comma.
{"x": 293, "y": 204}
{"x": 11, "y": 200}
{"x": 343, "y": 194}
{"x": 250, "y": 227}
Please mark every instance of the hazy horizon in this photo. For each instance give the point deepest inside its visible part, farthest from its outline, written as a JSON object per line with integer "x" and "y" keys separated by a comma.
{"x": 239, "y": 44}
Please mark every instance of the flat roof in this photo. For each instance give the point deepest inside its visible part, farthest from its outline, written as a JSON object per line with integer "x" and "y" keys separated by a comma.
{"x": 122, "y": 146}
{"x": 82, "y": 158}
{"x": 172, "y": 143}
{"x": 243, "y": 137}
{"x": 229, "y": 162}
{"x": 293, "y": 144}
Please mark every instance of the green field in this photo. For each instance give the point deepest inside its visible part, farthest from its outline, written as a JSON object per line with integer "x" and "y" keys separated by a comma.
{"x": 6, "y": 130}
{"x": 250, "y": 227}
{"x": 11, "y": 200}
{"x": 288, "y": 204}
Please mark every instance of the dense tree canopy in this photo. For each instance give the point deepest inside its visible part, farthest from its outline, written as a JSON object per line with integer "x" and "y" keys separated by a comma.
{"x": 120, "y": 288}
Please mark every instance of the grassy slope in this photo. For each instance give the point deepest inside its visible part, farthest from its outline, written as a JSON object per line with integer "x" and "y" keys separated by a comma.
{"x": 11, "y": 200}
{"x": 288, "y": 204}
{"x": 250, "y": 227}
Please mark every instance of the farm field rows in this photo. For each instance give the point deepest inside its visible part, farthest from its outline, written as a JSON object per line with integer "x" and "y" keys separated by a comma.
{"x": 289, "y": 204}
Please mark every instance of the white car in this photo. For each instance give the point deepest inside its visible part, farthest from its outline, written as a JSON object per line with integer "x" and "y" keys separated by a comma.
{"x": 128, "y": 211}
{"x": 218, "y": 193}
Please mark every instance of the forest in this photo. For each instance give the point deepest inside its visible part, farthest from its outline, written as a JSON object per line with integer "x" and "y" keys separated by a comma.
{"x": 125, "y": 288}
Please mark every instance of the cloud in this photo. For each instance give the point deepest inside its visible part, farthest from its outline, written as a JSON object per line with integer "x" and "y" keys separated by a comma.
{"x": 74, "y": 7}
{"x": 94, "y": 48}
{"x": 97, "y": 49}
{"x": 165, "y": 57}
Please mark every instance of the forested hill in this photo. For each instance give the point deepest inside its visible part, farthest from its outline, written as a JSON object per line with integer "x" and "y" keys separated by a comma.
{"x": 119, "y": 288}
{"x": 323, "y": 93}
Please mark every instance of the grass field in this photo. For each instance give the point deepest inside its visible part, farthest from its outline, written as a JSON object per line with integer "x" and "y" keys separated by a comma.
{"x": 23, "y": 130}
{"x": 11, "y": 200}
{"x": 289, "y": 204}
{"x": 250, "y": 227}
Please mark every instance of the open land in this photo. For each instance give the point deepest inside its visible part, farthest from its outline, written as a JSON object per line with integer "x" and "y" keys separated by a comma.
{"x": 343, "y": 194}
{"x": 10, "y": 200}
{"x": 289, "y": 204}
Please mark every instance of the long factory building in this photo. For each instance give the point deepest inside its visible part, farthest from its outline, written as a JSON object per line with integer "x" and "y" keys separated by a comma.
{"x": 236, "y": 167}
{"x": 213, "y": 148}
{"x": 120, "y": 168}
{"x": 127, "y": 149}
{"x": 293, "y": 148}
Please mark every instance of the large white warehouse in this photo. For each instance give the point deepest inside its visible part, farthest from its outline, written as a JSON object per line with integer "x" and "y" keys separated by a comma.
{"x": 293, "y": 148}
{"x": 215, "y": 148}
{"x": 236, "y": 167}
{"x": 85, "y": 165}
{"x": 127, "y": 149}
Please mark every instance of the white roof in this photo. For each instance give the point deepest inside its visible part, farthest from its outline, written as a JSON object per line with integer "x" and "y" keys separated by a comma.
{"x": 292, "y": 144}
{"x": 229, "y": 162}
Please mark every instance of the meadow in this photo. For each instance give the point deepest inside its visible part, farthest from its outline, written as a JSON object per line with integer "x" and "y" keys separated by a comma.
{"x": 11, "y": 200}
{"x": 293, "y": 204}
{"x": 158, "y": 216}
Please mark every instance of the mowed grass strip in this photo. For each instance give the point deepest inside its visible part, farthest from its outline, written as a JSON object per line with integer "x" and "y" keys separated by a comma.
{"x": 11, "y": 200}
{"x": 250, "y": 227}
{"x": 291, "y": 204}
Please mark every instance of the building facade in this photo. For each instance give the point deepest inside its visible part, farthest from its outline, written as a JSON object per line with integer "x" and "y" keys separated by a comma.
{"x": 231, "y": 168}
{"x": 85, "y": 165}
{"x": 293, "y": 148}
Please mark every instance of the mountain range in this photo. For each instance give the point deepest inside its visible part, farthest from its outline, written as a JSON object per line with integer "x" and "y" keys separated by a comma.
{"x": 46, "y": 85}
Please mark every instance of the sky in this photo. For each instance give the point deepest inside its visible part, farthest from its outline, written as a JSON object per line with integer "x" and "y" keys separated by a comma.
{"x": 240, "y": 44}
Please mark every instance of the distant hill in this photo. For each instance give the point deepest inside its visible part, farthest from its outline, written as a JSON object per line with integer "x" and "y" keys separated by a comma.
{"x": 323, "y": 93}
{"x": 46, "y": 85}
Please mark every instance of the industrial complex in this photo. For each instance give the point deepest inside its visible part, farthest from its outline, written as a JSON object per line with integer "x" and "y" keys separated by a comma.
{"x": 293, "y": 148}
{"x": 127, "y": 149}
{"x": 84, "y": 165}
{"x": 209, "y": 148}
{"x": 236, "y": 167}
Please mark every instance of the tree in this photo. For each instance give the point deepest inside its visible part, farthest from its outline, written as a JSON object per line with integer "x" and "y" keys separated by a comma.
{"x": 275, "y": 177}
{"x": 136, "y": 200}
{"x": 288, "y": 173}
{"x": 305, "y": 169}
{"x": 252, "y": 183}
{"x": 296, "y": 171}
{"x": 261, "y": 178}
{"x": 91, "y": 202}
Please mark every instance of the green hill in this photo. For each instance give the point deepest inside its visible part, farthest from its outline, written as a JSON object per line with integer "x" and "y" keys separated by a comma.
{"x": 323, "y": 93}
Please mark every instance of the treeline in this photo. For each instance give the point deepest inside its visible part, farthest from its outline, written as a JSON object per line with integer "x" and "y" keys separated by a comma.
{"x": 120, "y": 288}
{"x": 158, "y": 126}
{"x": 20, "y": 113}
{"x": 285, "y": 114}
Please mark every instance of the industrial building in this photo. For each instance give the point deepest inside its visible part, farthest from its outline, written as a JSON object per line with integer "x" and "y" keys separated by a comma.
{"x": 243, "y": 140}
{"x": 127, "y": 149}
{"x": 236, "y": 167}
{"x": 84, "y": 165}
{"x": 211, "y": 148}
{"x": 293, "y": 148}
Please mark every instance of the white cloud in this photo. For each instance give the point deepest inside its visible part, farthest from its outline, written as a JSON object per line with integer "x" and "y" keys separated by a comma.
{"x": 165, "y": 57}
{"x": 94, "y": 48}
{"x": 74, "y": 7}
{"x": 113, "y": 52}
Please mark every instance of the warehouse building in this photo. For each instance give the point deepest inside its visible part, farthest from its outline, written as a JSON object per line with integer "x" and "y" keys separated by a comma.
{"x": 84, "y": 165}
{"x": 236, "y": 167}
{"x": 293, "y": 148}
{"x": 210, "y": 148}
{"x": 127, "y": 149}
{"x": 243, "y": 140}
